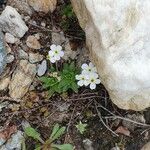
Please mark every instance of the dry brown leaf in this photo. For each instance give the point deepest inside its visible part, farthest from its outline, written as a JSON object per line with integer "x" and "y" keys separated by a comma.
{"x": 123, "y": 130}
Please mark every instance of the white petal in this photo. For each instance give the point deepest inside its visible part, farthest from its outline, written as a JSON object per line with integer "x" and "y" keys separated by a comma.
{"x": 92, "y": 86}
{"x": 61, "y": 53}
{"x": 86, "y": 72}
{"x": 84, "y": 66}
{"x": 97, "y": 81}
{"x": 53, "y": 47}
{"x": 51, "y": 53}
{"x": 80, "y": 83}
{"x": 93, "y": 75}
{"x": 77, "y": 77}
{"x": 52, "y": 60}
{"x": 57, "y": 57}
{"x": 86, "y": 83}
{"x": 58, "y": 47}
{"x": 91, "y": 65}
{"x": 94, "y": 69}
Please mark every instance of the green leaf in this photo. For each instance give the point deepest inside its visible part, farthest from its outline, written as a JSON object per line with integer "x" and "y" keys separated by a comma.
{"x": 74, "y": 87}
{"x": 31, "y": 132}
{"x": 54, "y": 131}
{"x": 63, "y": 146}
{"x": 58, "y": 133}
{"x": 81, "y": 127}
{"x": 23, "y": 144}
{"x": 37, "y": 146}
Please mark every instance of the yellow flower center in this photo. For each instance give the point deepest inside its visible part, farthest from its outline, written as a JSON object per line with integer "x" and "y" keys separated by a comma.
{"x": 92, "y": 80}
{"x": 56, "y": 52}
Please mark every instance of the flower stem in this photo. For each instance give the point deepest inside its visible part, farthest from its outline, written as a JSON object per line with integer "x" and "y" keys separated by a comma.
{"x": 56, "y": 66}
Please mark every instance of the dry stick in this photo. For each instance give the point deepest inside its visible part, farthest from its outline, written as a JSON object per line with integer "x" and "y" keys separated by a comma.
{"x": 84, "y": 98}
{"x": 71, "y": 117}
{"x": 3, "y": 98}
{"x": 49, "y": 30}
{"x": 122, "y": 118}
{"x": 100, "y": 117}
{"x": 127, "y": 119}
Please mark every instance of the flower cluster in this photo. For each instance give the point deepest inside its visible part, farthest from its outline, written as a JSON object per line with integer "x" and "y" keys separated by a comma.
{"x": 55, "y": 53}
{"x": 88, "y": 76}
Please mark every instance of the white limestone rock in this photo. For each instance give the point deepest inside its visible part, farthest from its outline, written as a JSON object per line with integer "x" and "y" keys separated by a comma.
{"x": 11, "y": 22}
{"x": 118, "y": 36}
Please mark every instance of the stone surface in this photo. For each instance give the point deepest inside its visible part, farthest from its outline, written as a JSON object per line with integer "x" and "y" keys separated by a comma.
{"x": 10, "y": 58}
{"x": 2, "y": 53}
{"x": 22, "y": 54}
{"x": 88, "y": 144}
{"x": 4, "y": 82}
{"x": 32, "y": 42}
{"x": 118, "y": 36}
{"x": 15, "y": 142}
{"x": 22, "y": 79}
{"x": 21, "y": 5}
{"x": 11, "y": 22}
{"x": 9, "y": 38}
{"x": 146, "y": 146}
{"x": 43, "y": 5}
{"x": 42, "y": 68}
{"x": 59, "y": 38}
{"x": 35, "y": 58}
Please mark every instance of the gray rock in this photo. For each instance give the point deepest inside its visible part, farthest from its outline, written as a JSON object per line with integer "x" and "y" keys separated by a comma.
{"x": 88, "y": 144}
{"x": 2, "y": 53}
{"x": 32, "y": 42}
{"x": 42, "y": 68}
{"x": 21, "y": 5}
{"x": 35, "y": 58}
{"x": 4, "y": 82}
{"x": 22, "y": 54}
{"x": 10, "y": 58}
{"x": 14, "y": 142}
{"x": 9, "y": 38}
{"x": 22, "y": 79}
{"x": 11, "y": 22}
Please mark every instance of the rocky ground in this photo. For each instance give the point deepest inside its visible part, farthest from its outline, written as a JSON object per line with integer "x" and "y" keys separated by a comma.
{"x": 28, "y": 32}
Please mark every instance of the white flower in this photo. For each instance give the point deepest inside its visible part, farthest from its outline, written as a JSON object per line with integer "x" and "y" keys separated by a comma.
{"x": 88, "y": 68}
{"x": 93, "y": 80}
{"x": 83, "y": 79}
{"x": 51, "y": 57}
{"x": 57, "y": 52}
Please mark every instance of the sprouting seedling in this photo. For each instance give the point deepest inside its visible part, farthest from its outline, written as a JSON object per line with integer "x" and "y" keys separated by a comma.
{"x": 57, "y": 132}
{"x": 81, "y": 127}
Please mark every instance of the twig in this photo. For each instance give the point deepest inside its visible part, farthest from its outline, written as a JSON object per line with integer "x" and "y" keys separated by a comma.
{"x": 127, "y": 119}
{"x": 100, "y": 117}
{"x": 71, "y": 117}
{"x": 122, "y": 118}
{"x": 3, "y": 98}
{"x": 49, "y": 30}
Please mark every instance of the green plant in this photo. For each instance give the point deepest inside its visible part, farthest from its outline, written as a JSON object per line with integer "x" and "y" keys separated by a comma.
{"x": 49, "y": 144}
{"x": 81, "y": 127}
{"x": 62, "y": 81}
{"x": 67, "y": 11}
